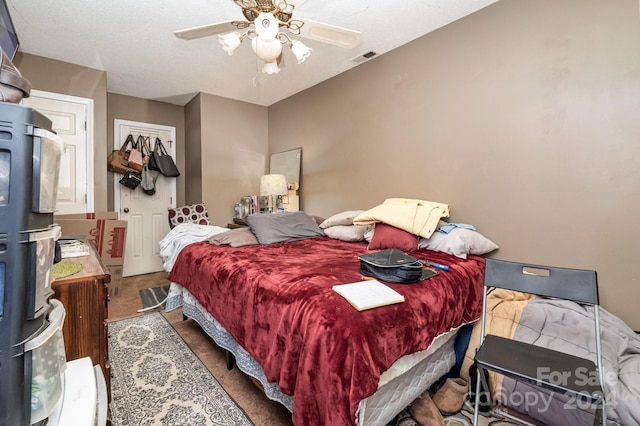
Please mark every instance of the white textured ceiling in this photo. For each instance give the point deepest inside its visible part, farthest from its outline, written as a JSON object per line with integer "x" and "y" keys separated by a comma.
{"x": 133, "y": 41}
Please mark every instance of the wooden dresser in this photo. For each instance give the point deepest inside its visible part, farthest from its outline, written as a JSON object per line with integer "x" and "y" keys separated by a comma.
{"x": 85, "y": 297}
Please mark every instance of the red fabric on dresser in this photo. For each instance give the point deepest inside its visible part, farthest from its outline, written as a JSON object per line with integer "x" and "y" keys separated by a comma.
{"x": 276, "y": 301}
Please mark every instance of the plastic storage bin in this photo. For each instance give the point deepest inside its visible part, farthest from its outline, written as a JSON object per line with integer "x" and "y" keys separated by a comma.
{"x": 48, "y": 363}
{"x": 47, "y": 152}
{"x": 42, "y": 252}
{"x": 30, "y": 156}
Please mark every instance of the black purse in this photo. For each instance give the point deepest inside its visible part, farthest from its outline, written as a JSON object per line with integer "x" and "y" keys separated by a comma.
{"x": 163, "y": 161}
{"x": 131, "y": 179}
{"x": 392, "y": 266}
{"x": 152, "y": 163}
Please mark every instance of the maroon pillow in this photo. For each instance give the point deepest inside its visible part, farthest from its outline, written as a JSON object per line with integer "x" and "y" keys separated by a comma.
{"x": 387, "y": 236}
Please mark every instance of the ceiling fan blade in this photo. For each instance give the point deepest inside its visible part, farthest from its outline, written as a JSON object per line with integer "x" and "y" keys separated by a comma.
{"x": 206, "y": 30}
{"x": 330, "y": 34}
{"x": 296, "y": 3}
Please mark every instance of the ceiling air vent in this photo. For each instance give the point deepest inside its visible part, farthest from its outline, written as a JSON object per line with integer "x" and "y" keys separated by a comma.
{"x": 363, "y": 58}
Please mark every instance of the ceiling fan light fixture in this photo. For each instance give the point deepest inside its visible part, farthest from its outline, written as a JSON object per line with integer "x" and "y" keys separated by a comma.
{"x": 230, "y": 42}
{"x": 264, "y": 20}
{"x": 300, "y": 50}
{"x": 271, "y": 67}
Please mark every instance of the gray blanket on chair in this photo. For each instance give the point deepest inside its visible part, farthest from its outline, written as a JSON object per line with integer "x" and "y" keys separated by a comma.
{"x": 568, "y": 327}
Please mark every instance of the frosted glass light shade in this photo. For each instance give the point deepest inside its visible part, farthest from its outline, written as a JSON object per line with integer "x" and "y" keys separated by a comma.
{"x": 300, "y": 50}
{"x": 229, "y": 42}
{"x": 273, "y": 185}
{"x": 271, "y": 68}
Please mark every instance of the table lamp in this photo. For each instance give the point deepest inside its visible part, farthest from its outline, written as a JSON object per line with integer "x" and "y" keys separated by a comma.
{"x": 273, "y": 185}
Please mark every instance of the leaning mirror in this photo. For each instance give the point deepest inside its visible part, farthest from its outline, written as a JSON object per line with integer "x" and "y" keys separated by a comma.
{"x": 288, "y": 163}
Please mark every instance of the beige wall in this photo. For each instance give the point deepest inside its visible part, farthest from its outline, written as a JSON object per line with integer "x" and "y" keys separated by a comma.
{"x": 153, "y": 112}
{"x": 193, "y": 155}
{"x": 69, "y": 79}
{"x": 523, "y": 117}
{"x": 233, "y": 152}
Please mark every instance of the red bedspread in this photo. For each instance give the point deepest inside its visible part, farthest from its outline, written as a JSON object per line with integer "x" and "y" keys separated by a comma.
{"x": 276, "y": 301}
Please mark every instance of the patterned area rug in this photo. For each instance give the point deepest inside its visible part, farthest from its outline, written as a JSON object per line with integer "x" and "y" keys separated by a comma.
{"x": 157, "y": 380}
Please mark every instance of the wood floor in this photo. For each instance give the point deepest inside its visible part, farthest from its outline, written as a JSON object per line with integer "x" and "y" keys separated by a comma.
{"x": 240, "y": 387}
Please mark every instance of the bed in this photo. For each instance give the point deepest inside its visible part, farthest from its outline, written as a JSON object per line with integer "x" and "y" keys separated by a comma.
{"x": 273, "y": 307}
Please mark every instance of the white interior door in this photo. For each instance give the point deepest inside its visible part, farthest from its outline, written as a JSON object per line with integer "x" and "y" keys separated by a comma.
{"x": 146, "y": 215}
{"x": 72, "y": 120}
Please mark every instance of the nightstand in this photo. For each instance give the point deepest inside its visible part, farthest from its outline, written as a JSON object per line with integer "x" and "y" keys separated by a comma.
{"x": 237, "y": 223}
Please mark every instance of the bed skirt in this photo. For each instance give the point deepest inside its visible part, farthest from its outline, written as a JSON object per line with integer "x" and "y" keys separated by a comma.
{"x": 407, "y": 378}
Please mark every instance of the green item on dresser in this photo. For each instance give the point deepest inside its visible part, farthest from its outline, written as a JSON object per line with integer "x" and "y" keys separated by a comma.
{"x": 64, "y": 269}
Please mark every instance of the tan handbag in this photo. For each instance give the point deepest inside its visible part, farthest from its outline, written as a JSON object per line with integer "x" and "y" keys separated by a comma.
{"x": 118, "y": 160}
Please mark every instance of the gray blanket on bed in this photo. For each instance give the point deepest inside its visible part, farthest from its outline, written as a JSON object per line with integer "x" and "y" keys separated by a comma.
{"x": 568, "y": 327}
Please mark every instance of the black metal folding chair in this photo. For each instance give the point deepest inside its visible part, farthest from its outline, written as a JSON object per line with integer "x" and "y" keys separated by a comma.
{"x": 523, "y": 362}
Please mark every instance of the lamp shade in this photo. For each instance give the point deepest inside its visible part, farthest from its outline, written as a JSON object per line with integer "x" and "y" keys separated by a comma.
{"x": 273, "y": 185}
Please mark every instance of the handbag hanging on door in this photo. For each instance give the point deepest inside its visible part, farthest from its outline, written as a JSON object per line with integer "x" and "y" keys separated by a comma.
{"x": 135, "y": 155}
{"x": 131, "y": 179}
{"x": 118, "y": 160}
{"x": 149, "y": 177}
{"x": 152, "y": 163}
{"x": 163, "y": 160}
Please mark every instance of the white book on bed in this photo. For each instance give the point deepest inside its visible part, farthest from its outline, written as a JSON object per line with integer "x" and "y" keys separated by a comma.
{"x": 368, "y": 294}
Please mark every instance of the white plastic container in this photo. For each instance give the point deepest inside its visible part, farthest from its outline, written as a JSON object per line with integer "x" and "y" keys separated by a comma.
{"x": 85, "y": 396}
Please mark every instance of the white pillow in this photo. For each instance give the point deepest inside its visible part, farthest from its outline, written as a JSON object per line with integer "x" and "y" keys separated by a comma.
{"x": 349, "y": 233}
{"x": 344, "y": 219}
{"x": 458, "y": 242}
{"x": 446, "y": 243}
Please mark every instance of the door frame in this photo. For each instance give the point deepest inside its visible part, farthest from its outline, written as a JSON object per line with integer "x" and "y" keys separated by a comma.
{"x": 89, "y": 140}
{"x": 147, "y": 127}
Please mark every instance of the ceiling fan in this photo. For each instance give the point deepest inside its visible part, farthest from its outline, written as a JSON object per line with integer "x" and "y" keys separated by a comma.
{"x": 264, "y": 19}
